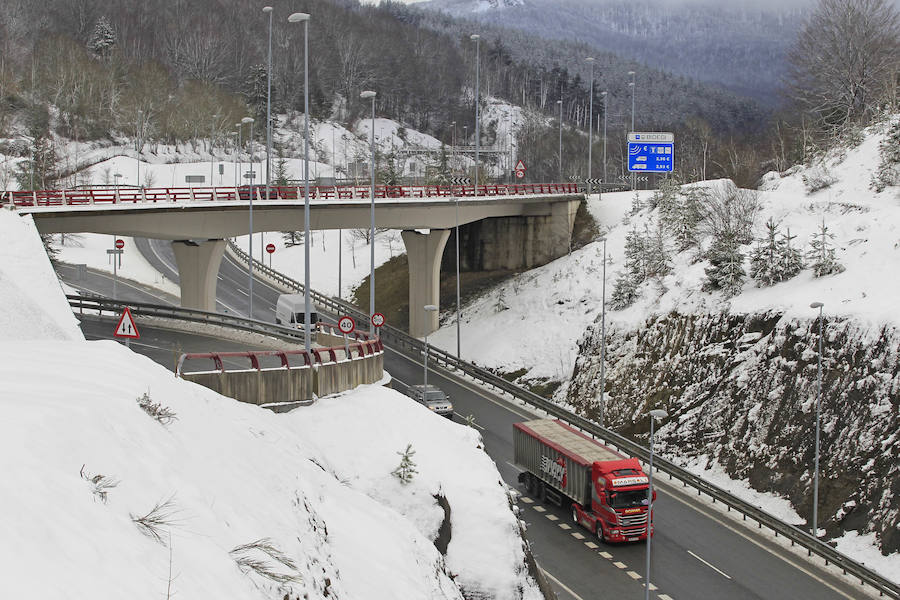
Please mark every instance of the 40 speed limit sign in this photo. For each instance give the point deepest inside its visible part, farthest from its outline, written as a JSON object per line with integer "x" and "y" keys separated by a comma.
{"x": 346, "y": 325}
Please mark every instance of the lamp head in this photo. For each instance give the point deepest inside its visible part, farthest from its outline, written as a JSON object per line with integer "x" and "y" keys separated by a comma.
{"x": 367, "y": 94}
{"x": 430, "y": 308}
{"x": 247, "y": 120}
{"x": 658, "y": 414}
{"x": 631, "y": 72}
{"x": 816, "y": 305}
{"x": 298, "y": 17}
{"x": 474, "y": 37}
{"x": 589, "y": 59}
{"x": 267, "y": 9}
{"x": 603, "y": 93}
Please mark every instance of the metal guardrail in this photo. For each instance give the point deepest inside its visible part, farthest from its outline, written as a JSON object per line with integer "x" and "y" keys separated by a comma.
{"x": 95, "y": 303}
{"x": 397, "y": 339}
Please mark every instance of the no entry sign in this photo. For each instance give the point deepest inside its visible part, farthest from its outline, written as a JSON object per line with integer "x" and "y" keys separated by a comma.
{"x": 270, "y": 248}
{"x": 120, "y": 244}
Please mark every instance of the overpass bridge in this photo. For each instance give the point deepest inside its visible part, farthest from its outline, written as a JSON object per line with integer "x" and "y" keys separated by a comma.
{"x": 523, "y": 225}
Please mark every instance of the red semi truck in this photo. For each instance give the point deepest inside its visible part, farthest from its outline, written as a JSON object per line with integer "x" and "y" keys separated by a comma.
{"x": 607, "y": 490}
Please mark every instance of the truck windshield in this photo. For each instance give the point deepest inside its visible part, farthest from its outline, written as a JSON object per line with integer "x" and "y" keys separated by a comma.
{"x": 628, "y": 499}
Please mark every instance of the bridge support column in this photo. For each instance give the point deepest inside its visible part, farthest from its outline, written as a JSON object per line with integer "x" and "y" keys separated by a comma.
{"x": 198, "y": 266}
{"x": 424, "y": 251}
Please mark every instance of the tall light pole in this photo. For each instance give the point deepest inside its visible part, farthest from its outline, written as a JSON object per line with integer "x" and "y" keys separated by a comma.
{"x": 268, "y": 9}
{"x": 365, "y": 95}
{"x": 631, "y": 85}
{"x": 140, "y": 131}
{"x": 815, "y": 519}
{"x": 603, "y": 342}
{"x": 605, "y": 95}
{"x": 654, "y": 414}
{"x": 299, "y": 17}
{"x": 590, "y": 61}
{"x": 240, "y": 146}
{"x": 559, "y": 103}
{"x": 212, "y": 135}
{"x": 428, "y": 308}
{"x": 250, "y": 212}
{"x": 453, "y": 146}
{"x": 475, "y": 37}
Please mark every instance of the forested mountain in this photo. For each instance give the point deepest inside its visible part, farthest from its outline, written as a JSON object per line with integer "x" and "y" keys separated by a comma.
{"x": 740, "y": 46}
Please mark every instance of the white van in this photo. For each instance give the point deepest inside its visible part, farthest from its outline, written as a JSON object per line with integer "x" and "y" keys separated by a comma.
{"x": 289, "y": 310}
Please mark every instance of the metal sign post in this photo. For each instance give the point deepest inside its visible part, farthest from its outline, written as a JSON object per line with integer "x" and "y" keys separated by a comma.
{"x": 116, "y": 253}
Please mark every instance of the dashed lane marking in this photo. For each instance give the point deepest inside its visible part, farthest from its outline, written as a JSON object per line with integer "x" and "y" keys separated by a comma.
{"x": 591, "y": 545}
{"x": 665, "y": 597}
{"x": 577, "y": 535}
{"x": 620, "y": 565}
{"x": 606, "y": 555}
{"x": 540, "y": 509}
{"x": 633, "y": 575}
{"x": 552, "y": 517}
{"x": 526, "y": 499}
{"x": 565, "y": 526}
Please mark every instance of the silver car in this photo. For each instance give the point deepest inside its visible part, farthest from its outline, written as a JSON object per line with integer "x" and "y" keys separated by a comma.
{"x": 434, "y": 398}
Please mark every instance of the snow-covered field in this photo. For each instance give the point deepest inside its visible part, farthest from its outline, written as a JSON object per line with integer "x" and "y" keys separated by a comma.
{"x": 226, "y": 500}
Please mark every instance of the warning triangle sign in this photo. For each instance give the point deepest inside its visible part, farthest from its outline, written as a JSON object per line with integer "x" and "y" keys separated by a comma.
{"x": 126, "y": 327}
{"x": 520, "y": 166}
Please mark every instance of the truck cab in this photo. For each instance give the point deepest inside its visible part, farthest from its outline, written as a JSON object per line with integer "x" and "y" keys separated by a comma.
{"x": 619, "y": 499}
{"x": 433, "y": 398}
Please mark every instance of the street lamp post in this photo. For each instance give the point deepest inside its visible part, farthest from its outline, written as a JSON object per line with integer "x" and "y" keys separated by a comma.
{"x": 605, "y": 95}
{"x": 240, "y": 146}
{"x": 603, "y": 342}
{"x": 631, "y": 85}
{"x": 140, "y": 131}
{"x": 365, "y": 95}
{"x": 299, "y": 17}
{"x": 428, "y": 308}
{"x": 815, "y": 519}
{"x": 590, "y": 61}
{"x": 268, "y": 9}
{"x": 559, "y": 103}
{"x": 212, "y": 135}
{"x": 250, "y": 212}
{"x": 475, "y": 37}
{"x": 654, "y": 414}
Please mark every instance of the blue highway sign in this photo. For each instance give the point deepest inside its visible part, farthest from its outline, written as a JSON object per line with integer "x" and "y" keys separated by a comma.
{"x": 651, "y": 152}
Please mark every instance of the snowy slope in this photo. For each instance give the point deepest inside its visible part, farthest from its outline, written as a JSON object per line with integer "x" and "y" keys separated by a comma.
{"x": 309, "y": 495}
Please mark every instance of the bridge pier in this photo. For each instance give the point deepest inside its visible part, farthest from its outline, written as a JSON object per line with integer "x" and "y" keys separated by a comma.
{"x": 424, "y": 251}
{"x": 198, "y": 266}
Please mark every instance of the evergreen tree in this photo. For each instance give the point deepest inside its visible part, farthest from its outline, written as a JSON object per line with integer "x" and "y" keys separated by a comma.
{"x": 292, "y": 238}
{"x": 103, "y": 38}
{"x": 625, "y": 289}
{"x": 656, "y": 257}
{"x": 888, "y": 172}
{"x": 790, "y": 260}
{"x": 39, "y": 171}
{"x": 726, "y": 271}
{"x": 764, "y": 257}
{"x": 281, "y": 172}
{"x": 679, "y": 212}
{"x": 255, "y": 90}
{"x": 821, "y": 254}
{"x": 390, "y": 174}
{"x": 407, "y": 468}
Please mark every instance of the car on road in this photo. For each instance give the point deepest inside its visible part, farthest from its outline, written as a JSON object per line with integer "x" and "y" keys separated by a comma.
{"x": 433, "y": 398}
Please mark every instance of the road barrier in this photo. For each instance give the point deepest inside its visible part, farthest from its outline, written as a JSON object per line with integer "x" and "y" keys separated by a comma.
{"x": 400, "y": 341}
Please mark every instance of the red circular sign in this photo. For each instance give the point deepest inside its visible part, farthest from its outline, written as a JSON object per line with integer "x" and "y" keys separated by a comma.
{"x": 378, "y": 319}
{"x": 270, "y": 248}
{"x": 346, "y": 325}
{"x": 520, "y": 173}
{"x": 120, "y": 244}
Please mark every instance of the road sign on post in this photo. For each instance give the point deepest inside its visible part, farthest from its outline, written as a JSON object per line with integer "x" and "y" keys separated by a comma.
{"x": 126, "y": 327}
{"x": 346, "y": 325}
{"x": 378, "y": 319}
{"x": 520, "y": 173}
{"x": 651, "y": 152}
{"x": 270, "y": 248}
{"x": 120, "y": 244}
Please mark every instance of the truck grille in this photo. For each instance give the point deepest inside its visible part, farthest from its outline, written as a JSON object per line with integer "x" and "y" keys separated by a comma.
{"x": 633, "y": 520}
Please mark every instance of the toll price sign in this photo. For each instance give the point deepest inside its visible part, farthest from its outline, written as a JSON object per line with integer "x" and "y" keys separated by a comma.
{"x": 651, "y": 152}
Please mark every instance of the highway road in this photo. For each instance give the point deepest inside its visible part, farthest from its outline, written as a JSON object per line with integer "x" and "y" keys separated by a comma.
{"x": 697, "y": 552}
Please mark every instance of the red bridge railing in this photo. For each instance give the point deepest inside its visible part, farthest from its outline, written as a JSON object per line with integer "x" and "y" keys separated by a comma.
{"x": 122, "y": 195}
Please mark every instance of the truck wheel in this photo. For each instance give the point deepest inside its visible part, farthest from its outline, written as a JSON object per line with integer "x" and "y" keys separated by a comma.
{"x": 575, "y": 515}
{"x": 600, "y": 535}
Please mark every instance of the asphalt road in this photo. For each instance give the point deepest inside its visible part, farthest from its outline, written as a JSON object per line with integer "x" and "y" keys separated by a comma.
{"x": 697, "y": 553}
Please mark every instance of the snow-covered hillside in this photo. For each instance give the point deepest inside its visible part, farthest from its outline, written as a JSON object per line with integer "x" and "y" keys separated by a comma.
{"x": 224, "y": 500}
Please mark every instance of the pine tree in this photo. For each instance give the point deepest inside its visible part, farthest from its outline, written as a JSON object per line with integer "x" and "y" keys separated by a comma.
{"x": 888, "y": 172}
{"x": 657, "y": 259}
{"x": 821, "y": 254}
{"x": 407, "y": 469}
{"x": 103, "y": 38}
{"x": 790, "y": 260}
{"x": 726, "y": 271}
{"x": 625, "y": 291}
{"x": 39, "y": 172}
{"x": 390, "y": 175}
{"x": 256, "y": 90}
{"x": 292, "y": 238}
{"x": 764, "y": 257}
{"x": 281, "y": 169}
{"x": 625, "y": 288}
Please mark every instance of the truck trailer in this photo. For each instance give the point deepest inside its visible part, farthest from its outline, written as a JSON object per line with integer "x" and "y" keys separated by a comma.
{"x": 608, "y": 492}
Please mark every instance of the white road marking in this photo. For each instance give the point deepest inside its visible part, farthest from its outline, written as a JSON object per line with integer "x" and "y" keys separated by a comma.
{"x": 577, "y": 535}
{"x": 606, "y": 555}
{"x": 633, "y": 575}
{"x": 562, "y": 585}
{"x": 665, "y": 597}
{"x": 653, "y": 587}
{"x": 517, "y": 468}
{"x": 591, "y": 545}
{"x": 242, "y": 292}
{"x": 553, "y": 517}
{"x": 620, "y": 565}
{"x": 526, "y": 499}
{"x": 719, "y": 571}
{"x": 540, "y": 509}
{"x": 565, "y": 527}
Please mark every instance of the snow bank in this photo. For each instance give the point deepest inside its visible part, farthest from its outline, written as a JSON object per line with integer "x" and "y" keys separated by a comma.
{"x": 34, "y": 307}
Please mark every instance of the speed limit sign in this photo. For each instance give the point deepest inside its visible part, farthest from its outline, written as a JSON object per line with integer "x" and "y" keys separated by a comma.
{"x": 378, "y": 319}
{"x": 346, "y": 325}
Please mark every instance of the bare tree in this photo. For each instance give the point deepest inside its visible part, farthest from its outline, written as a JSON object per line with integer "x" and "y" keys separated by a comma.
{"x": 845, "y": 60}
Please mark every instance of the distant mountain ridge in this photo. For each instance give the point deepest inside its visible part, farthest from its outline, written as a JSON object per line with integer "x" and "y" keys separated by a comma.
{"x": 740, "y": 48}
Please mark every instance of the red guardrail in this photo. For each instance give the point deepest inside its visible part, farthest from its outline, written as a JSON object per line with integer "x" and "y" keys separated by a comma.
{"x": 361, "y": 348}
{"x": 101, "y": 196}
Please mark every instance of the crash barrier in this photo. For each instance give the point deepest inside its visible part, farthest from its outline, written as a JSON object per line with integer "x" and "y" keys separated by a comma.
{"x": 334, "y": 369}
{"x": 320, "y": 372}
{"x": 133, "y": 195}
{"x": 401, "y": 342}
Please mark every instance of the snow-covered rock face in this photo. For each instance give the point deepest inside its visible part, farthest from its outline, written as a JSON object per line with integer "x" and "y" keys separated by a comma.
{"x": 741, "y": 389}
